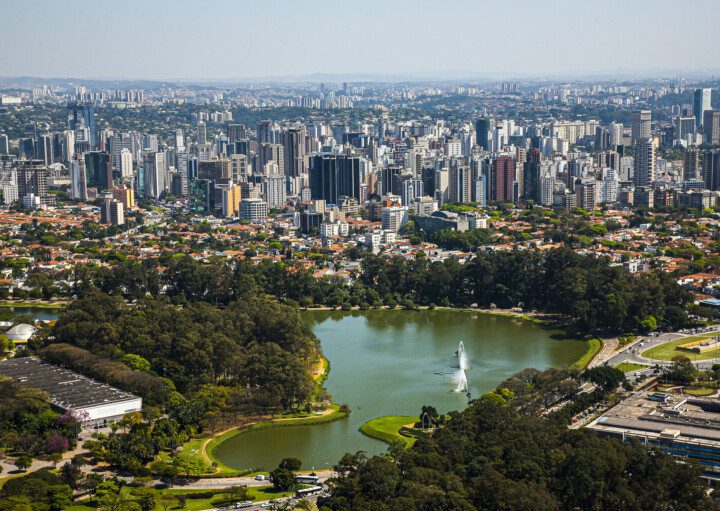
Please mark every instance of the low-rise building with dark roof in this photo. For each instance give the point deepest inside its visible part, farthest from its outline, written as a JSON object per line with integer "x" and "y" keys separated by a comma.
{"x": 94, "y": 403}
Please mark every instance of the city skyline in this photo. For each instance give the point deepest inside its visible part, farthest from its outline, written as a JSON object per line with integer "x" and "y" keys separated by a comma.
{"x": 285, "y": 41}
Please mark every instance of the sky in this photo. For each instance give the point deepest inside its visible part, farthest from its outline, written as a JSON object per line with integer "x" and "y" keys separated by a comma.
{"x": 243, "y": 39}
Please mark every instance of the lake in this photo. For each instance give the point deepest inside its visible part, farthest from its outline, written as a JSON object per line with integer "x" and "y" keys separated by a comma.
{"x": 392, "y": 362}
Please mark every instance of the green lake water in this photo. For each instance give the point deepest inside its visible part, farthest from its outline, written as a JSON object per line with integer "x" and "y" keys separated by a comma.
{"x": 387, "y": 362}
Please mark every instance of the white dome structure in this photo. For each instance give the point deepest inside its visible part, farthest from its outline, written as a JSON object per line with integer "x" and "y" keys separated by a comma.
{"x": 21, "y": 333}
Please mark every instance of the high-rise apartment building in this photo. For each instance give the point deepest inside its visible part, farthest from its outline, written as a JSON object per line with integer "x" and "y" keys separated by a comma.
{"x": 701, "y": 103}
{"x": 644, "y": 166}
{"x": 641, "y": 124}
{"x": 502, "y": 179}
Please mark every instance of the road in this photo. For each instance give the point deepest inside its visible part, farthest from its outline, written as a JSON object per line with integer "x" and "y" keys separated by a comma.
{"x": 651, "y": 342}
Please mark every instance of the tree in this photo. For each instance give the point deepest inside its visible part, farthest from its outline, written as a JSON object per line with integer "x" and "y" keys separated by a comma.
{"x": 166, "y": 501}
{"x": 681, "y": 371}
{"x": 59, "y": 497}
{"x": 145, "y": 498}
{"x": 283, "y": 479}
{"x": 290, "y": 463}
{"x": 237, "y": 493}
{"x": 23, "y": 462}
{"x": 606, "y": 377}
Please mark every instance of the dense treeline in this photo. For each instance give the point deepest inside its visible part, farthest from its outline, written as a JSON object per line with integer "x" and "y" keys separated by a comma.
{"x": 29, "y": 426}
{"x": 490, "y": 457}
{"x": 256, "y": 343}
{"x": 591, "y": 292}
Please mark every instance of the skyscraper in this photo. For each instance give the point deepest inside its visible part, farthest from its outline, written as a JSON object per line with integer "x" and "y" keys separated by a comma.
{"x": 460, "y": 187}
{"x": 502, "y": 179}
{"x": 155, "y": 179}
{"x": 640, "y": 123}
{"x": 644, "y": 162}
{"x": 294, "y": 146}
{"x": 82, "y": 115}
{"x": 482, "y": 132}
{"x": 701, "y": 103}
{"x": 99, "y": 169}
{"x": 711, "y": 127}
{"x": 711, "y": 169}
{"x": 78, "y": 178}
{"x": 333, "y": 176}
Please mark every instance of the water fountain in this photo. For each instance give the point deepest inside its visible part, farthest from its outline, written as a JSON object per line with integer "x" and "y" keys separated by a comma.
{"x": 461, "y": 381}
{"x": 462, "y": 357}
{"x": 460, "y": 378}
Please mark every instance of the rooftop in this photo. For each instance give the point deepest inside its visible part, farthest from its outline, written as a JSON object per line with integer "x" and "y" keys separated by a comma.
{"x": 67, "y": 390}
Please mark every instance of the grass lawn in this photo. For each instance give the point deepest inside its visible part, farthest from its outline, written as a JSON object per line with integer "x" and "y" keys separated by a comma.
{"x": 255, "y": 493}
{"x": 592, "y": 348}
{"x": 629, "y": 367}
{"x": 699, "y": 391}
{"x": 387, "y": 428}
{"x": 34, "y": 305}
{"x": 667, "y": 350}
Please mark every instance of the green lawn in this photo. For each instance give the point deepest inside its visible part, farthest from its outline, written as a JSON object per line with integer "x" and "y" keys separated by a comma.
{"x": 592, "y": 348}
{"x": 667, "y": 350}
{"x": 699, "y": 391}
{"x": 255, "y": 493}
{"x": 387, "y": 428}
{"x": 629, "y": 367}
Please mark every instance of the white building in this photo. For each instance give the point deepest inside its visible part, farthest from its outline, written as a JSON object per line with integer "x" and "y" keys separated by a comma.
{"x": 253, "y": 209}
{"x": 394, "y": 217}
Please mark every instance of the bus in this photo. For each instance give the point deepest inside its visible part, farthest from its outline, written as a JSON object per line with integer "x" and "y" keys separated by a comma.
{"x": 307, "y": 479}
{"x": 310, "y": 490}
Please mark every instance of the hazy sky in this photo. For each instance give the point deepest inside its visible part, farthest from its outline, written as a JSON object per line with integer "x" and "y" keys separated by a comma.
{"x": 164, "y": 39}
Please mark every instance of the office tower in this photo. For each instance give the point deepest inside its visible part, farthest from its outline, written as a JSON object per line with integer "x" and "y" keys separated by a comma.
{"x": 388, "y": 183}
{"x": 253, "y": 209}
{"x": 202, "y": 133}
{"x": 44, "y": 149}
{"x": 150, "y": 143}
{"x": 482, "y": 132}
{"x": 334, "y": 176}
{"x": 640, "y": 123}
{"x": 179, "y": 139}
{"x": 531, "y": 175}
{"x": 239, "y": 168}
{"x": 236, "y": 132}
{"x": 99, "y": 169}
{"x": 684, "y": 126}
{"x": 460, "y": 183}
{"x": 4, "y": 144}
{"x": 691, "y": 164}
{"x": 502, "y": 179}
{"x": 82, "y": 115}
{"x": 112, "y": 212}
{"x": 267, "y": 152}
{"x": 711, "y": 169}
{"x": 644, "y": 166}
{"x": 78, "y": 178}
{"x": 711, "y": 127}
{"x": 156, "y": 181}
{"x": 273, "y": 189}
{"x": 294, "y": 147}
{"x": 126, "y": 164}
{"x": 701, "y": 103}
{"x": 263, "y": 131}
{"x": 181, "y": 169}
{"x": 118, "y": 143}
{"x": 68, "y": 145}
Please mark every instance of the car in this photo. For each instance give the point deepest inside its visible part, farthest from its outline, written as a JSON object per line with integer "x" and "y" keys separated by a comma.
{"x": 260, "y": 477}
